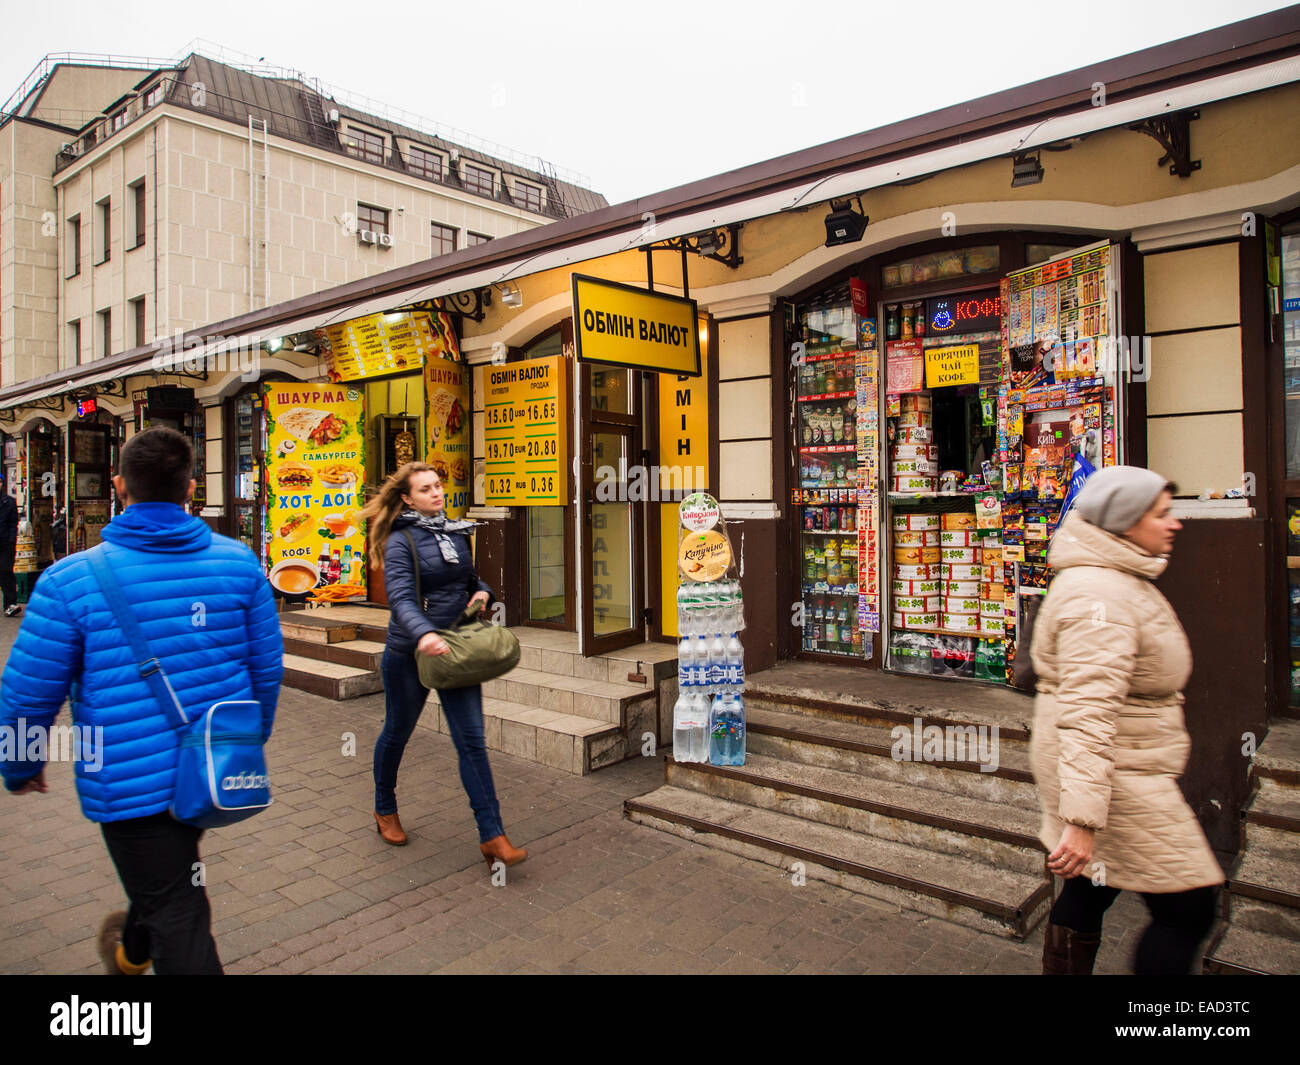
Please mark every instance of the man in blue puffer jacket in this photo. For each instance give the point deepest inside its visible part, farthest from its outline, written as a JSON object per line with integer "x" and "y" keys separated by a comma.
{"x": 208, "y": 614}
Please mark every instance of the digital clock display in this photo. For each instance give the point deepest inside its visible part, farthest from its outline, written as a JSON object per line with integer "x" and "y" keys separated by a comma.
{"x": 979, "y": 312}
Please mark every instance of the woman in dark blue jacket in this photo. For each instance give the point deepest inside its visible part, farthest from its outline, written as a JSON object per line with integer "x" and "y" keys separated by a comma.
{"x": 411, "y": 501}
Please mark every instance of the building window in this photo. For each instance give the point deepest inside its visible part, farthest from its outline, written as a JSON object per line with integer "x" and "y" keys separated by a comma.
{"x": 105, "y": 333}
{"x": 74, "y": 343}
{"x": 104, "y": 234}
{"x": 74, "y": 246}
{"x": 529, "y": 197}
{"x": 476, "y": 179}
{"x": 424, "y": 163}
{"x": 137, "y": 314}
{"x": 155, "y": 96}
{"x": 473, "y": 239}
{"x": 138, "y": 209}
{"x": 374, "y": 219}
{"x": 368, "y": 146}
{"x": 119, "y": 120}
{"x": 444, "y": 240}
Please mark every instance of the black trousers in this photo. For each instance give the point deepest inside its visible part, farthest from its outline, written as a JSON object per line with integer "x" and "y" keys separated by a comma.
{"x": 169, "y": 920}
{"x": 1180, "y": 921}
{"x": 7, "y": 586}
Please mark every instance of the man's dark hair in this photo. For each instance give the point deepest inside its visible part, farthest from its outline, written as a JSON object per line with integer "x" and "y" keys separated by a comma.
{"x": 157, "y": 465}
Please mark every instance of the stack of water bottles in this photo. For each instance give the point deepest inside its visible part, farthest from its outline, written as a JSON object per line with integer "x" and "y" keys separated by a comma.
{"x": 709, "y": 718}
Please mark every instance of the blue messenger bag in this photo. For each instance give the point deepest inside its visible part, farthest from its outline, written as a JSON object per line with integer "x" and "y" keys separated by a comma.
{"x": 221, "y": 775}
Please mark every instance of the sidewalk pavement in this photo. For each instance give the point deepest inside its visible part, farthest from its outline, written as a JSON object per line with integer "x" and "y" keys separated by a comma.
{"x": 309, "y": 886}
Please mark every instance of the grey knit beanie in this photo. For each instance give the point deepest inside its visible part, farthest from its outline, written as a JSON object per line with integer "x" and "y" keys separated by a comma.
{"x": 1116, "y": 497}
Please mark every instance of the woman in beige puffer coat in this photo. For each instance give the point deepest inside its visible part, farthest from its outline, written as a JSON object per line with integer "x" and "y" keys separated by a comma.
{"x": 1109, "y": 743}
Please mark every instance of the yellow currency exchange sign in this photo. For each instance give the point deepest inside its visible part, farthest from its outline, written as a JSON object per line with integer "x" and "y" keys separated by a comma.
{"x": 620, "y": 325}
{"x": 526, "y": 418}
{"x": 958, "y": 365}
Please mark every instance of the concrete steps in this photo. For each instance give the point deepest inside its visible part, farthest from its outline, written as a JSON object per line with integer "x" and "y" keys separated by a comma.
{"x": 332, "y": 651}
{"x": 967, "y": 892}
{"x": 330, "y": 679}
{"x": 575, "y": 744}
{"x": 830, "y": 780}
{"x": 904, "y": 813}
{"x": 1262, "y": 898}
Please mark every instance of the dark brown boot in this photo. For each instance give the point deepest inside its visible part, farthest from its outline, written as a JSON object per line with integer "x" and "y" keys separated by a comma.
{"x": 390, "y": 829}
{"x": 1067, "y": 952}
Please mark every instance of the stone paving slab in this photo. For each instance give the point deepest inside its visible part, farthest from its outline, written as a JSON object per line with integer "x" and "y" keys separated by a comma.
{"x": 309, "y": 887}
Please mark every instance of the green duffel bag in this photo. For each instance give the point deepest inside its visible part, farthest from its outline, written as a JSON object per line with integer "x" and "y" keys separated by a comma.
{"x": 479, "y": 652}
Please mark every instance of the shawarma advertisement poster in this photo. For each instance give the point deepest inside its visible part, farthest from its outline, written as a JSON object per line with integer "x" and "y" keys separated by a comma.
{"x": 446, "y": 419}
{"x": 315, "y": 447}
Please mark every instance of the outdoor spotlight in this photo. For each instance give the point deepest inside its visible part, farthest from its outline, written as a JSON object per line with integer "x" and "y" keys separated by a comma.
{"x": 707, "y": 243}
{"x": 511, "y": 296}
{"x": 1025, "y": 169}
{"x": 844, "y": 225}
{"x": 274, "y": 344}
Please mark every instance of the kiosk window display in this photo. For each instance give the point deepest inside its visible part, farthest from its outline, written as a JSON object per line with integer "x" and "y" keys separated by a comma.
{"x": 930, "y": 486}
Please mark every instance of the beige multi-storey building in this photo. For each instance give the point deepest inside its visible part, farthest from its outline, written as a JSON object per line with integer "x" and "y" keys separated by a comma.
{"x": 143, "y": 200}
{"x": 147, "y": 200}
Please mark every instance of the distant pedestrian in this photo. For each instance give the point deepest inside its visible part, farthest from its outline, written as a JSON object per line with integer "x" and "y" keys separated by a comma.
{"x": 412, "y": 500}
{"x": 59, "y": 533}
{"x": 8, "y": 548}
{"x": 208, "y": 615}
{"x": 1109, "y": 742}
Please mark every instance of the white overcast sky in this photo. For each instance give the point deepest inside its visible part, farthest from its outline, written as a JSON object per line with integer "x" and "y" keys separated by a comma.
{"x": 636, "y": 97}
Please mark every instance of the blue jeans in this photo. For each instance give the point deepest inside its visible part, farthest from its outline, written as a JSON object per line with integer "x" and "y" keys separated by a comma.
{"x": 404, "y": 698}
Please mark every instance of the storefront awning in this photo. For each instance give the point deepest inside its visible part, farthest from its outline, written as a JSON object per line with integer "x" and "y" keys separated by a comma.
{"x": 1047, "y": 112}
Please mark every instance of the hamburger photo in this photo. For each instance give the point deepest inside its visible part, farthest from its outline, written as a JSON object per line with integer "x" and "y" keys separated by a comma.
{"x": 294, "y": 475}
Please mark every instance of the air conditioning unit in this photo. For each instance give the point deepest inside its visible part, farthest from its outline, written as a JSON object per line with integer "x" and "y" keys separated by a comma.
{"x": 72, "y": 148}
{"x": 385, "y": 240}
{"x": 367, "y": 236}
{"x": 333, "y": 116}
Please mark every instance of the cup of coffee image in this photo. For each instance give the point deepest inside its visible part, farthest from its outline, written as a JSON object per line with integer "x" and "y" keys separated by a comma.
{"x": 294, "y": 576}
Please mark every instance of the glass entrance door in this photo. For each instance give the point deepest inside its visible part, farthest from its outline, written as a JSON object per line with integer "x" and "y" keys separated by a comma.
{"x": 613, "y": 506}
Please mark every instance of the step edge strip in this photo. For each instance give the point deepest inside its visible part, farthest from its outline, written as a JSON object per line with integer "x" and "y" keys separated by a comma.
{"x": 1250, "y": 890}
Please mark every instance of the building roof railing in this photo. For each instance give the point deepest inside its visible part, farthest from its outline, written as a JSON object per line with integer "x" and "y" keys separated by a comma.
{"x": 43, "y": 69}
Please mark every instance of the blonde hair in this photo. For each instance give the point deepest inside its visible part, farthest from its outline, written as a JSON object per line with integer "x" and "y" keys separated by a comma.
{"x": 386, "y": 503}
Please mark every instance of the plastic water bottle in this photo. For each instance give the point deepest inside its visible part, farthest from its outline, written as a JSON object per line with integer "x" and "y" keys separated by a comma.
{"x": 700, "y": 660}
{"x": 717, "y": 662}
{"x": 690, "y": 730}
{"x": 699, "y": 727}
{"x": 685, "y": 679}
{"x": 727, "y": 730}
{"x": 735, "y": 664}
{"x": 739, "y": 625}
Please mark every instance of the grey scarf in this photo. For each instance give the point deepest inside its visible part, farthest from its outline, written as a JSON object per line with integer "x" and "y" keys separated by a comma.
{"x": 440, "y": 525}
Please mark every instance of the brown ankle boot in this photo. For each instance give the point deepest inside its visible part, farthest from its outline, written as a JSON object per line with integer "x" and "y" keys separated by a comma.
{"x": 390, "y": 828}
{"x": 1069, "y": 953}
{"x": 501, "y": 849}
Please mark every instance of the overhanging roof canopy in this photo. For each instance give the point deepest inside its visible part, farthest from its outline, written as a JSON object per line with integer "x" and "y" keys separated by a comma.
{"x": 1246, "y": 57}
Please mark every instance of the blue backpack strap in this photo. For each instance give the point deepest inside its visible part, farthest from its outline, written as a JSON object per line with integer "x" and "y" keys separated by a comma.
{"x": 150, "y": 668}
